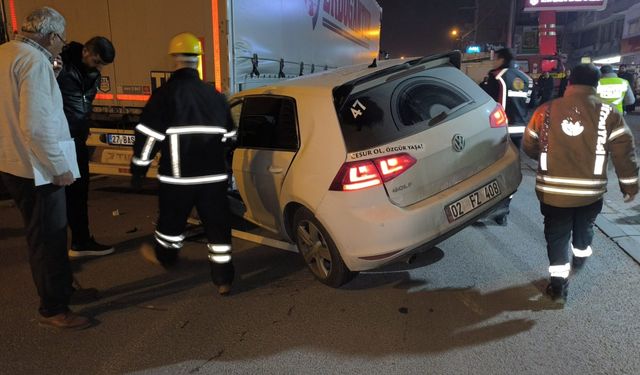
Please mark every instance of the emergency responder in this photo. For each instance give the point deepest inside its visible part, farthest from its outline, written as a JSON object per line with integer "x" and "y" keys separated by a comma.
{"x": 628, "y": 76}
{"x": 187, "y": 120}
{"x": 615, "y": 90}
{"x": 79, "y": 79}
{"x": 571, "y": 138}
{"x": 510, "y": 87}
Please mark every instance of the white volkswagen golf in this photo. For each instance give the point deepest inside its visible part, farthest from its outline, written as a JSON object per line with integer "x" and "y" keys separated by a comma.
{"x": 362, "y": 165}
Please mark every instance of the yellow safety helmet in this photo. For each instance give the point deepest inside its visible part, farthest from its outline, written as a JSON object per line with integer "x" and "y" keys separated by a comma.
{"x": 185, "y": 43}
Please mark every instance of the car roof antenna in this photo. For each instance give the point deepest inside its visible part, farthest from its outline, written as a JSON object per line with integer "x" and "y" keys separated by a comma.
{"x": 374, "y": 64}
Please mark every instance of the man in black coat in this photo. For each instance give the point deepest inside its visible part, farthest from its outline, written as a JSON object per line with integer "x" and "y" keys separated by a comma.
{"x": 545, "y": 87}
{"x": 563, "y": 83}
{"x": 78, "y": 79}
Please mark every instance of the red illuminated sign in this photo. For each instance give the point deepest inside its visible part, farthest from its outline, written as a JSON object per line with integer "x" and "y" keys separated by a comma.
{"x": 564, "y": 5}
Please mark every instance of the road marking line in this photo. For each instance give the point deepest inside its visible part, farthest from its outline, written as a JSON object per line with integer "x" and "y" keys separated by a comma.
{"x": 264, "y": 240}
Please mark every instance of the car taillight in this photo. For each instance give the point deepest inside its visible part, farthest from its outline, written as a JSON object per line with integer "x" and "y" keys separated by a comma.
{"x": 363, "y": 174}
{"x": 393, "y": 166}
{"x": 498, "y": 118}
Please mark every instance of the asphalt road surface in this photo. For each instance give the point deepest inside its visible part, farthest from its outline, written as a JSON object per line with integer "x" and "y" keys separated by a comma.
{"x": 473, "y": 305}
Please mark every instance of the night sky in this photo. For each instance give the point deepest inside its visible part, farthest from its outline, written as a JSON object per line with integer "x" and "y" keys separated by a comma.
{"x": 421, "y": 27}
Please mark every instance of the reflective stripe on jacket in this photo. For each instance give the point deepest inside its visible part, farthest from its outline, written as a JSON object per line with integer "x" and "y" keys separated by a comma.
{"x": 187, "y": 120}
{"x": 572, "y": 151}
{"x": 512, "y": 88}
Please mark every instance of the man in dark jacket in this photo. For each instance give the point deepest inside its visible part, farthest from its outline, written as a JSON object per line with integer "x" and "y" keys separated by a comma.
{"x": 545, "y": 87}
{"x": 563, "y": 83}
{"x": 510, "y": 87}
{"x": 78, "y": 80}
{"x": 187, "y": 120}
{"x": 572, "y": 137}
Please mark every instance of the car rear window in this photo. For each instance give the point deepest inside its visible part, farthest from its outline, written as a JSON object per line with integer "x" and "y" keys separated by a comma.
{"x": 399, "y": 108}
{"x": 419, "y": 102}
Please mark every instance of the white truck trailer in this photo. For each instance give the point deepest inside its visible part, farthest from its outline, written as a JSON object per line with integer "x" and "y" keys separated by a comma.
{"x": 246, "y": 43}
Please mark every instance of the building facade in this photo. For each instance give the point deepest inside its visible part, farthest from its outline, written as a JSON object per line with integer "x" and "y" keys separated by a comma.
{"x": 598, "y": 35}
{"x": 630, "y": 46}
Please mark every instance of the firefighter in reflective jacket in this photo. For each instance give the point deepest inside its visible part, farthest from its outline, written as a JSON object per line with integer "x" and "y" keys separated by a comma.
{"x": 572, "y": 137}
{"x": 614, "y": 90}
{"x": 187, "y": 120}
{"x": 511, "y": 88}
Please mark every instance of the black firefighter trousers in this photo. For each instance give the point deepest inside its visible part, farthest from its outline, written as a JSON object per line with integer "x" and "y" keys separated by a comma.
{"x": 45, "y": 221}
{"x": 562, "y": 225}
{"x": 212, "y": 205}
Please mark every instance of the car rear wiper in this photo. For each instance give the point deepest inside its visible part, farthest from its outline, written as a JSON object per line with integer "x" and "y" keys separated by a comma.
{"x": 444, "y": 114}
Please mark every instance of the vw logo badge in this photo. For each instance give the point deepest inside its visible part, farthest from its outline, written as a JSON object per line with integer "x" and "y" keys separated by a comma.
{"x": 457, "y": 142}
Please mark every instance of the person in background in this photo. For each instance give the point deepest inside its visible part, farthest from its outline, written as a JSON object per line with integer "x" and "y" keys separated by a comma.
{"x": 33, "y": 127}
{"x": 628, "y": 75}
{"x": 563, "y": 83}
{"x": 79, "y": 78}
{"x": 512, "y": 88}
{"x": 545, "y": 87}
{"x": 614, "y": 90}
{"x": 572, "y": 138}
{"x": 188, "y": 120}
{"x": 636, "y": 89}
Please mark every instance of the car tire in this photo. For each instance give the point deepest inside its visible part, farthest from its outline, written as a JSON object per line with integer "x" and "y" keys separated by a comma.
{"x": 318, "y": 251}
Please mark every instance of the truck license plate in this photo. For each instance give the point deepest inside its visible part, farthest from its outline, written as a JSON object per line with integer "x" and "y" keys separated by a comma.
{"x": 472, "y": 201}
{"x": 121, "y": 139}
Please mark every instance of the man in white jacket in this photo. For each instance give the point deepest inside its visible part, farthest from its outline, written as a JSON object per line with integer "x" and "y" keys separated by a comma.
{"x": 32, "y": 127}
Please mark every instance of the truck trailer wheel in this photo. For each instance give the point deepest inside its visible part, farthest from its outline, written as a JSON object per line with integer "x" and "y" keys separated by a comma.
{"x": 319, "y": 251}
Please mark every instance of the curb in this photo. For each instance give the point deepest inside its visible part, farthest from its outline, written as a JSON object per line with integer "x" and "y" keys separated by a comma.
{"x": 628, "y": 243}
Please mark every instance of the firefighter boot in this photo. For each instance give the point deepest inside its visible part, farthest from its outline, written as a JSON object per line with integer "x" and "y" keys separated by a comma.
{"x": 577, "y": 263}
{"x": 158, "y": 255}
{"x": 501, "y": 220}
{"x": 558, "y": 289}
{"x": 222, "y": 277}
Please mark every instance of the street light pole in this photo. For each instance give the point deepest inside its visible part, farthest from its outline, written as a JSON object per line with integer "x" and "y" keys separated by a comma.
{"x": 475, "y": 21}
{"x": 512, "y": 21}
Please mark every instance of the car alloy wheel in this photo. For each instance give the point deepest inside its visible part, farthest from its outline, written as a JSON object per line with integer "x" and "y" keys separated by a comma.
{"x": 314, "y": 249}
{"x": 319, "y": 251}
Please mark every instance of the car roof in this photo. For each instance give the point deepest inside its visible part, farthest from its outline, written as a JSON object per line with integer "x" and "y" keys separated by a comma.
{"x": 342, "y": 75}
{"x": 327, "y": 80}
